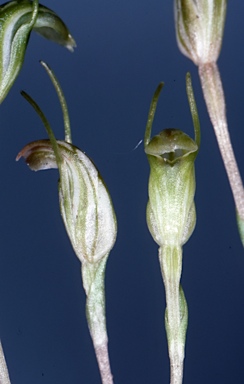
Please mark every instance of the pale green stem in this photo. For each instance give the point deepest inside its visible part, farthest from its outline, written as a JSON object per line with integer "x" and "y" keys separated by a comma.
{"x": 215, "y": 100}
{"x": 93, "y": 282}
{"x": 4, "y": 377}
{"x": 170, "y": 257}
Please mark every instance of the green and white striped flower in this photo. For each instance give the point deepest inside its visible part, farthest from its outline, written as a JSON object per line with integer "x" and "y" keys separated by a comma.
{"x": 171, "y": 208}
{"x": 85, "y": 204}
{"x": 88, "y": 215}
{"x": 17, "y": 19}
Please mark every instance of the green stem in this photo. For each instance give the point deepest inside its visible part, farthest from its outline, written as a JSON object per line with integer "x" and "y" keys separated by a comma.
{"x": 93, "y": 282}
{"x": 170, "y": 257}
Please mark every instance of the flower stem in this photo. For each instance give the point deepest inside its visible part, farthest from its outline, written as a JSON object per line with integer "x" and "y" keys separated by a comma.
{"x": 93, "y": 281}
{"x": 103, "y": 363}
{"x": 215, "y": 100}
{"x": 170, "y": 257}
{"x": 4, "y": 377}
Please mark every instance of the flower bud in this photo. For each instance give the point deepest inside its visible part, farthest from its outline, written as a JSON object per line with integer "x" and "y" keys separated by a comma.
{"x": 17, "y": 19}
{"x": 199, "y": 28}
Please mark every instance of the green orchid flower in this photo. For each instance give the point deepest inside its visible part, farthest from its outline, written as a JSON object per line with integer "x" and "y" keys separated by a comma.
{"x": 171, "y": 217}
{"x": 88, "y": 216}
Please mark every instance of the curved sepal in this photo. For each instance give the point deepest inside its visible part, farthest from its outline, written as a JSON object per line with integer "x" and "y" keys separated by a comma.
{"x": 49, "y": 25}
{"x": 17, "y": 19}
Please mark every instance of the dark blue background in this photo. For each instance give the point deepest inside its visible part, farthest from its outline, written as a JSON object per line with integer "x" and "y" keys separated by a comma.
{"x": 124, "y": 48}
